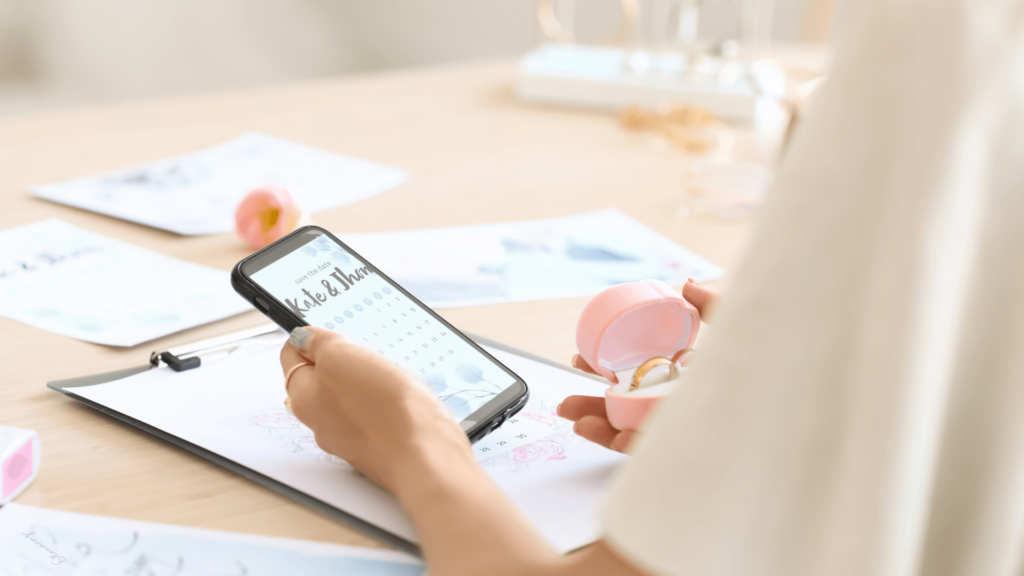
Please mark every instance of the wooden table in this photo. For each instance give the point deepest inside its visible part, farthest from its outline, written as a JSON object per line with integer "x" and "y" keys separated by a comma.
{"x": 475, "y": 154}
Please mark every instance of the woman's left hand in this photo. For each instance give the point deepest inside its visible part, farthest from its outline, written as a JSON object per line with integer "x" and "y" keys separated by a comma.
{"x": 366, "y": 409}
{"x": 588, "y": 412}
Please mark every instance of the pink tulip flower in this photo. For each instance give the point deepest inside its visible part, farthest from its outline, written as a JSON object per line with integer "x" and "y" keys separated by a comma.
{"x": 268, "y": 214}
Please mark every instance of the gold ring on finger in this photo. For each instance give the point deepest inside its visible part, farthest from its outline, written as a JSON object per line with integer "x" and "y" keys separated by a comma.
{"x": 288, "y": 376}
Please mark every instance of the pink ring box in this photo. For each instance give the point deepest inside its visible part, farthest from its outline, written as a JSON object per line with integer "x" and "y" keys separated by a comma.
{"x": 20, "y": 452}
{"x": 624, "y": 326}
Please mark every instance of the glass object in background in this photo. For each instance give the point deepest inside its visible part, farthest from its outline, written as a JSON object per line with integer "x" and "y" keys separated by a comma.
{"x": 557, "y": 19}
{"x": 661, "y": 52}
{"x": 683, "y": 68}
{"x": 727, "y": 189}
{"x": 709, "y": 43}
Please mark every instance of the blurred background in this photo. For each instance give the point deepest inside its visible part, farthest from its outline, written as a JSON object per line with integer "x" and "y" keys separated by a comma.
{"x": 65, "y": 53}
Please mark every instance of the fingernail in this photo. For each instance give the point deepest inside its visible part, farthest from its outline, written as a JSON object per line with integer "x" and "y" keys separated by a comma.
{"x": 558, "y": 409}
{"x": 301, "y": 339}
{"x": 574, "y": 361}
{"x": 694, "y": 282}
{"x": 575, "y": 428}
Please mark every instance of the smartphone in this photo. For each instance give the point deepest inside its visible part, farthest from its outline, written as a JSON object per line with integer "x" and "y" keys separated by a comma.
{"x": 310, "y": 278}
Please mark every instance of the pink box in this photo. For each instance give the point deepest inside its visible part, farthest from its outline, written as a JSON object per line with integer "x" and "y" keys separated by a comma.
{"x": 623, "y": 327}
{"x": 20, "y": 452}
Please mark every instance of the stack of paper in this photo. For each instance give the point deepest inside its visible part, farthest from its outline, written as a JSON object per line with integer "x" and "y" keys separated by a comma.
{"x": 61, "y": 278}
{"x": 538, "y": 259}
{"x": 198, "y": 193}
{"x": 36, "y": 541}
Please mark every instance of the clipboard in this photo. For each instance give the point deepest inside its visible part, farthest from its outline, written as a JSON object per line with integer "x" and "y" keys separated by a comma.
{"x": 190, "y": 357}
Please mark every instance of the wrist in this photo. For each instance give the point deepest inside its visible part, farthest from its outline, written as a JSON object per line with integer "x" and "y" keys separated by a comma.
{"x": 433, "y": 465}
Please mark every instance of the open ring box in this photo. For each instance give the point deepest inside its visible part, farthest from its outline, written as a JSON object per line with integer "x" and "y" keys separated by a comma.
{"x": 620, "y": 334}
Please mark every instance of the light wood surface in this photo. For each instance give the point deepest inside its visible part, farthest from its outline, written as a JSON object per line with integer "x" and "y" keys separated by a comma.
{"x": 476, "y": 155}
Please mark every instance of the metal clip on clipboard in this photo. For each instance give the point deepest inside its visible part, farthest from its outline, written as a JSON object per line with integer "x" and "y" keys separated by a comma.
{"x": 190, "y": 356}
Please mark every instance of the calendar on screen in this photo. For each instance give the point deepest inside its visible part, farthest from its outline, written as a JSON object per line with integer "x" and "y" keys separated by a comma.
{"x": 326, "y": 286}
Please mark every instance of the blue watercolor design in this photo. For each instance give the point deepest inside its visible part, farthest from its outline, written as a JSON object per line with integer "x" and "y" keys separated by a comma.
{"x": 158, "y": 319}
{"x": 377, "y": 295}
{"x": 171, "y": 175}
{"x": 512, "y": 245}
{"x": 459, "y": 407}
{"x": 367, "y": 301}
{"x": 329, "y": 326}
{"x": 358, "y": 308}
{"x": 617, "y": 281}
{"x": 92, "y": 324}
{"x": 341, "y": 256}
{"x": 470, "y": 373}
{"x": 348, "y": 314}
{"x": 441, "y": 290}
{"x": 339, "y": 319}
{"x": 386, "y": 290}
{"x": 580, "y": 252}
{"x": 323, "y": 244}
{"x": 45, "y": 313}
{"x": 437, "y": 382}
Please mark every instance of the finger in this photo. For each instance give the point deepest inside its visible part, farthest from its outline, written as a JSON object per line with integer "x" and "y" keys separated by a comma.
{"x": 302, "y": 391}
{"x": 623, "y": 441}
{"x": 597, "y": 430}
{"x": 310, "y": 341}
{"x": 703, "y": 300}
{"x": 291, "y": 364}
{"x": 579, "y": 363}
{"x": 576, "y": 407}
{"x": 290, "y": 357}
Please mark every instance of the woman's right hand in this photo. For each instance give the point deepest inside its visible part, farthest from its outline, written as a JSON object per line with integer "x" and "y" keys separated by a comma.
{"x": 588, "y": 412}
{"x": 367, "y": 410}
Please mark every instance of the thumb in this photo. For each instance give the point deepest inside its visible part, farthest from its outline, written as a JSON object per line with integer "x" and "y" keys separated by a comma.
{"x": 703, "y": 300}
{"x": 310, "y": 341}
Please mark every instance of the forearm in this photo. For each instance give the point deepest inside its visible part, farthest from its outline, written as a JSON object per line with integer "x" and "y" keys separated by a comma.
{"x": 466, "y": 524}
{"x": 381, "y": 420}
{"x": 468, "y": 527}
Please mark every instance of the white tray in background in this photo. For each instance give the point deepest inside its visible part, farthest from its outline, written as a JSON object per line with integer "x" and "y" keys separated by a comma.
{"x": 596, "y": 77}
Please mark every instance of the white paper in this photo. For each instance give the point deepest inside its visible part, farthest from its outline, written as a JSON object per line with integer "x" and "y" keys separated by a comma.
{"x": 198, "y": 193}
{"x": 534, "y": 260}
{"x": 38, "y": 541}
{"x": 234, "y": 407}
{"x": 67, "y": 280}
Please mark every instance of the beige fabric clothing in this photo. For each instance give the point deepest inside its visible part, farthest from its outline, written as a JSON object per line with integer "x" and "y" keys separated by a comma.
{"x": 859, "y": 408}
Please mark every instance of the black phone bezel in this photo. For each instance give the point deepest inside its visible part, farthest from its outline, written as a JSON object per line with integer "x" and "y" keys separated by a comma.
{"x": 488, "y": 417}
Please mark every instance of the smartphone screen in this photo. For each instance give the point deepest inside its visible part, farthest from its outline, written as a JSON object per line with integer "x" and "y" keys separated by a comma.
{"x": 321, "y": 282}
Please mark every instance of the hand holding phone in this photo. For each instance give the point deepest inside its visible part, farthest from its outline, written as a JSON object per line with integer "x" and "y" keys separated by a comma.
{"x": 310, "y": 278}
{"x": 367, "y": 410}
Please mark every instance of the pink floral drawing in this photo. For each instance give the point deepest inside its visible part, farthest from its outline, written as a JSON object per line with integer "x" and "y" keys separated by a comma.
{"x": 539, "y": 451}
{"x": 547, "y": 449}
{"x": 287, "y": 428}
{"x": 543, "y": 413}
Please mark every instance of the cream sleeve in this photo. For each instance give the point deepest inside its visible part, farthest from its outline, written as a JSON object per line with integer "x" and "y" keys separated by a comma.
{"x": 857, "y": 410}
